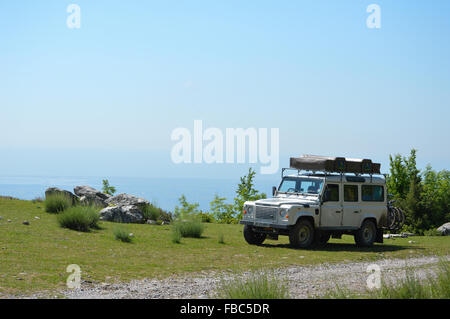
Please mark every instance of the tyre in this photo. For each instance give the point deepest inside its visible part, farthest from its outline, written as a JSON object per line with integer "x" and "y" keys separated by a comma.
{"x": 366, "y": 235}
{"x": 252, "y": 237}
{"x": 302, "y": 235}
{"x": 321, "y": 238}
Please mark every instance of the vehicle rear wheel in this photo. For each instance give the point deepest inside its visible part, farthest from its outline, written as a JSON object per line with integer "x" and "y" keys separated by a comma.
{"x": 252, "y": 237}
{"x": 366, "y": 235}
{"x": 302, "y": 235}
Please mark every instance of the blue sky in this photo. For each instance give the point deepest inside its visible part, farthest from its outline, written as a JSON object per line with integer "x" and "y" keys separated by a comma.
{"x": 104, "y": 99}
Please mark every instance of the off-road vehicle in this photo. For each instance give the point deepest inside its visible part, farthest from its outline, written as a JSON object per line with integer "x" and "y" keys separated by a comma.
{"x": 324, "y": 197}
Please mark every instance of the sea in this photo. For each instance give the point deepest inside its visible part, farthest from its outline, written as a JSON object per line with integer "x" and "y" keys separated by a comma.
{"x": 163, "y": 192}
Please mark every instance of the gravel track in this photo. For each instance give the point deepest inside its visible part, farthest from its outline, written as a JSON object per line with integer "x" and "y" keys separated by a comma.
{"x": 304, "y": 281}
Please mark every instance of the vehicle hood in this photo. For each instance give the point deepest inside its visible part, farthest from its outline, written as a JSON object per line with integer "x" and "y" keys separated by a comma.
{"x": 289, "y": 200}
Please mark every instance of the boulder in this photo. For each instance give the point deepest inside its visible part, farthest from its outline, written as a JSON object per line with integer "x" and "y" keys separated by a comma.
{"x": 127, "y": 200}
{"x": 444, "y": 229}
{"x": 91, "y": 196}
{"x": 122, "y": 214}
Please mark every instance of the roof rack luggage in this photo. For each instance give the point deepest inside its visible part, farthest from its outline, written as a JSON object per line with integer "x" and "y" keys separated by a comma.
{"x": 334, "y": 164}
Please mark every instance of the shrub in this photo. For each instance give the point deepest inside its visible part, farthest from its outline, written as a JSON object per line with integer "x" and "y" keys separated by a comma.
{"x": 176, "y": 236}
{"x": 206, "y": 217}
{"x": 107, "y": 189}
{"x": 432, "y": 232}
{"x": 189, "y": 227}
{"x": 80, "y": 218}
{"x": 257, "y": 286}
{"x": 221, "y": 239}
{"x": 122, "y": 234}
{"x": 57, "y": 202}
{"x": 151, "y": 212}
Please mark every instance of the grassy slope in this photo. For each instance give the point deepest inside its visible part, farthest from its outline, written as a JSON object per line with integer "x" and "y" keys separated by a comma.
{"x": 38, "y": 254}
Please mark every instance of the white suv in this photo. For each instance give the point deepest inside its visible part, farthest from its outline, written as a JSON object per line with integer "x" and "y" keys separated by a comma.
{"x": 311, "y": 207}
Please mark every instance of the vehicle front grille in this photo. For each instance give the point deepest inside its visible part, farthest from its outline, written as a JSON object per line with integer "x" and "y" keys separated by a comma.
{"x": 266, "y": 212}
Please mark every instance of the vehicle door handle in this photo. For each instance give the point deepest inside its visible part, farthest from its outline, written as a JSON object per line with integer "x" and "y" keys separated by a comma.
{"x": 356, "y": 211}
{"x": 338, "y": 211}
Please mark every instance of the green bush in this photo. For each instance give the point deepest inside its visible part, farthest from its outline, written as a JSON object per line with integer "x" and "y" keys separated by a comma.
{"x": 57, "y": 202}
{"x": 432, "y": 232}
{"x": 152, "y": 212}
{"x": 206, "y": 217}
{"x": 122, "y": 234}
{"x": 221, "y": 238}
{"x": 189, "y": 227}
{"x": 80, "y": 218}
{"x": 176, "y": 236}
{"x": 257, "y": 286}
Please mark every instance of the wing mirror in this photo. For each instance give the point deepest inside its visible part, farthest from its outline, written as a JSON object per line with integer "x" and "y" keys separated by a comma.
{"x": 274, "y": 190}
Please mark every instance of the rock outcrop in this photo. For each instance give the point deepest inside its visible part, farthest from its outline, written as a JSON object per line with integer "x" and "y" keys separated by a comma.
{"x": 126, "y": 200}
{"x": 91, "y": 196}
{"x": 124, "y": 208}
{"x": 122, "y": 214}
{"x": 444, "y": 229}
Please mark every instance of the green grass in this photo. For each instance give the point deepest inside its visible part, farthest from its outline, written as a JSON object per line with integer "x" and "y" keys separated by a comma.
{"x": 80, "y": 218}
{"x": 410, "y": 287}
{"x": 257, "y": 286}
{"x": 151, "y": 212}
{"x": 121, "y": 233}
{"x": 57, "y": 203}
{"x": 190, "y": 227}
{"x": 38, "y": 254}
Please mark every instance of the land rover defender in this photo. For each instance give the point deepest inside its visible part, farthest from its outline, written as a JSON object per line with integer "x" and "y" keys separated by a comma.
{"x": 324, "y": 197}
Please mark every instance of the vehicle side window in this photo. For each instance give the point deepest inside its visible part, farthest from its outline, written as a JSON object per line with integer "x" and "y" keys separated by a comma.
{"x": 372, "y": 193}
{"x": 350, "y": 193}
{"x": 331, "y": 193}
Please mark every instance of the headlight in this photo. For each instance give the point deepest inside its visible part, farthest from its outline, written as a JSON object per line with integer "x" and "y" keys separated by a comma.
{"x": 283, "y": 213}
{"x": 248, "y": 210}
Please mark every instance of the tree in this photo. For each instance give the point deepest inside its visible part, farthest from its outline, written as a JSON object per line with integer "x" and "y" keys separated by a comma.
{"x": 403, "y": 170}
{"x": 186, "y": 209}
{"x": 423, "y": 196}
{"x": 223, "y": 212}
{"x": 107, "y": 189}
{"x": 246, "y": 192}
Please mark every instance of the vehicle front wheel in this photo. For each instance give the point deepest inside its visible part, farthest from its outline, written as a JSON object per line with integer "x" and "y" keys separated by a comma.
{"x": 302, "y": 235}
{"x": 252, "y": 237}
{"x": 366, "y": 235}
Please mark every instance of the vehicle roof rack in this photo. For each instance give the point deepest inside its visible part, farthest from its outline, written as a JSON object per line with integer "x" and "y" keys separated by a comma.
{"x": 340, "y": 165}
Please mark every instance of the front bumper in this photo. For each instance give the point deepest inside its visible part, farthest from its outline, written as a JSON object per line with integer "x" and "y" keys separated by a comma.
{"x": 260, "y": 224}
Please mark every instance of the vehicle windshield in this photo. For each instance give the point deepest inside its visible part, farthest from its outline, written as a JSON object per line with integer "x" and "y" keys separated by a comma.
{"x": 301, "y": 185}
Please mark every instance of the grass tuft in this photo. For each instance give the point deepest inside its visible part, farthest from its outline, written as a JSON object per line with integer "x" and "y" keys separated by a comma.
{"x": 221, "y": 239}
{"x": 122, "y": 234}
{"x": 410, "y": 287}
{"x": 176, "y": 236}
{"x": 190, "y": 227}
{"x": 56, "y": 203}
{"x": 79, "y": 218}
{"x": 257, "y": 286}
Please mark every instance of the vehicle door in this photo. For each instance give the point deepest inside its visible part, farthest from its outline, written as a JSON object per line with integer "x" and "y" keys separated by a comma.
{"x": 331, "y": 208}
{"x": 351, "y": 206}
